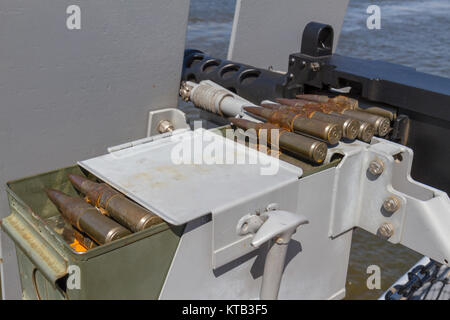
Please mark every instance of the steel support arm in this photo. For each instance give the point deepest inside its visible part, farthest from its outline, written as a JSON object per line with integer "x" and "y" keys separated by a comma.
{"x": 375, "y": 191}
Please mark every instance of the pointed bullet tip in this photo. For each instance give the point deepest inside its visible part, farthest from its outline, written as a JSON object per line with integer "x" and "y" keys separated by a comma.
{"x": 76, "y": 180}
{"x": 50, "y": 191}
{"x": 54, "y": 195}
{"x": 253, "y": 109}
{"x": 271, "y": 106}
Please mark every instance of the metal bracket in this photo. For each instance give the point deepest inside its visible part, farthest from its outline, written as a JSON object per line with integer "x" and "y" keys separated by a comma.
{"x": 165, "y": 120}
{"x": 276, "y": 226}
{"x": 235, "y": 226}
{"x": 279, "y": 225}
{"x": 375, "y": 191}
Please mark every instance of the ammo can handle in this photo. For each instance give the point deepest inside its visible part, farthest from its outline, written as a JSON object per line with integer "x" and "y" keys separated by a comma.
{"x": 41, "y": 254}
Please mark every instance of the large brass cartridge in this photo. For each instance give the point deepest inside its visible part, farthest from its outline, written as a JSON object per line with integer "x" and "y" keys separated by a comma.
{"x": 350, "y": 127}
{"x": 329, "y": 132}
{"x": 365, "y": 130}
{"x": 305, "y": 147}
{"x": 381, "y": 124}
{"x": 86, "y": 218}
{"x": 116, "y": 205}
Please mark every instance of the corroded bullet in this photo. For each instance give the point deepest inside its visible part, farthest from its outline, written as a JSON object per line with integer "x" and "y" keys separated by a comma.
{"x": 293, "y": 102}
{"x": 329, "y": 132}
{"x": 352, "y": 103}
{"x": 350, "y": 127}
{"x": 86, "y": 218}
{"x": 116, "y": 205}
{"x": 283, "y": 107}
{"x": 305, "y": 147}
{"x": 313, "y": 97}
{"x": 381, "y": 124}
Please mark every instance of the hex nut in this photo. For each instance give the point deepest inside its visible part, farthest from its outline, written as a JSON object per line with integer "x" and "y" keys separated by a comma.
{"x": 376, "y": 167}
{"x": 386, "y": 230}
{"x": 165, "y": 126}
{"x": 391, "y": 204}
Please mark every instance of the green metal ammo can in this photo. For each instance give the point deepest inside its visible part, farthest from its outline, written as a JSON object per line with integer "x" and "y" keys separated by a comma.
{"x": 133, "y": 267}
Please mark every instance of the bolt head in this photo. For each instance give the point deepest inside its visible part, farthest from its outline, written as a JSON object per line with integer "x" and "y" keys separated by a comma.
{"x": 272, "y": 207}
{"x": 391, "y": 204}
{"x": 376, "y": 167}
{"x": 165, "y": 126}
{"x": 386, "y": 230}
{"x": 315, "y": 66}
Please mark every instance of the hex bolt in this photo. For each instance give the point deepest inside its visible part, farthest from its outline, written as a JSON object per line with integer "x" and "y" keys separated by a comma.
{"x": 386, "y": 230}
{"x": 185, "y": 91}
{"x": 165, "y": 126}
{"x": 376, "y": 167}
{"x": 272, "y": 207}
{"x": 315, "y": 66}
{"x": 391, "y": 204}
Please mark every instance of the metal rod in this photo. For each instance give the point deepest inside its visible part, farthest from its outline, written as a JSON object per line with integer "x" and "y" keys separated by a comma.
{"x": 274, "y": 265}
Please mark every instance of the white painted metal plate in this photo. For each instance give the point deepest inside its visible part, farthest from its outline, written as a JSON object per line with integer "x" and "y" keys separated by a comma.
{"x": 67, "y": 94}
{"x": 152, "y": 175}
{"x": 316, "y": 265}
{"x": 265, "y": 32}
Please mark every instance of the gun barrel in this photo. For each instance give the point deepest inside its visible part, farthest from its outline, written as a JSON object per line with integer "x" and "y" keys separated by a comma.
{"x": 116, "y": 205}
{"x": 86, "y": 218}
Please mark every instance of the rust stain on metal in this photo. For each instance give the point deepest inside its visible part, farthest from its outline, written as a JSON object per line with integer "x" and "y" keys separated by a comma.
{"x": 37, "y": 246}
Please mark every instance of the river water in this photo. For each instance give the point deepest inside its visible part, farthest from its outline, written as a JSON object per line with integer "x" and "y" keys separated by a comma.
{"x": 413, "y": 33}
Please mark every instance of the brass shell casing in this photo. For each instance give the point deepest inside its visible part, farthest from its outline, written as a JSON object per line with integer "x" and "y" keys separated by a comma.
{"x": 117, "y": 206}
{"x": 302, "y": 146}
{"x": 87, "y": 218}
